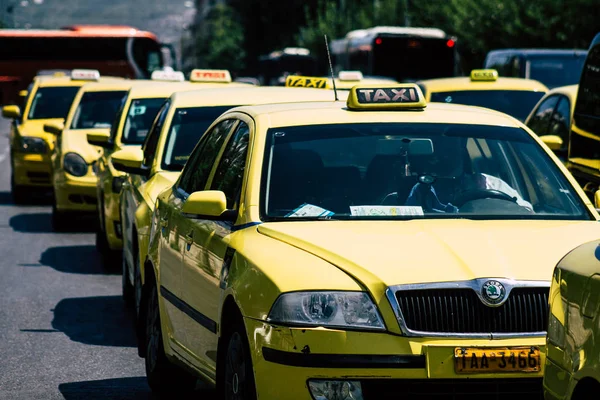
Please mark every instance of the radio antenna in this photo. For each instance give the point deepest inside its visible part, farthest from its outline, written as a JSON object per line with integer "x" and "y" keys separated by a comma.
{"x": 331, "y": 68}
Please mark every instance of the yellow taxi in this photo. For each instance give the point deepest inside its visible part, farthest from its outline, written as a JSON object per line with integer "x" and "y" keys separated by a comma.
{"x": 133, "y": 121}
{"x": 47, "y": 100}
{"x": 73, "y": 158}
{"x": 180, "y": 123}
{"x": 370, "y": 249}
{"x": 551, "y": 118}
{"x": 483, "y": 88}
{"x": 573, "y": 344}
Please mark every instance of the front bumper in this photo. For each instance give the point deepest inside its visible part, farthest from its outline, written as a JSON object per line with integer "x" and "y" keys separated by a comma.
{"x": 75, "y": 194}
{"x": 32, "y": 169}
{"x": 387, "y": 366}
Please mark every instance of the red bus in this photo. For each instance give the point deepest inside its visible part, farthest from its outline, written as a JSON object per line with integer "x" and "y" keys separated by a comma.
{"x": 113, "y": 50}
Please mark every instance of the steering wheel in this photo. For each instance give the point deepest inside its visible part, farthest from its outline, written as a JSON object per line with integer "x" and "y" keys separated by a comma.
{"x": 483, "y": 194}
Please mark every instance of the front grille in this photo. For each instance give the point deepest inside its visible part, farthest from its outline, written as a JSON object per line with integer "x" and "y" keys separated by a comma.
{"x": 453, "y": 389}
{"x": 461, "y": 311}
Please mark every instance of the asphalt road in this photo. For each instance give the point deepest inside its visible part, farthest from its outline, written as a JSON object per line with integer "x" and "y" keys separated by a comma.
{"x": 64, "y": 330}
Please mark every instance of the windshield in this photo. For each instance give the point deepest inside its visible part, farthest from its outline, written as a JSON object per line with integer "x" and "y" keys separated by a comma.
{"x": 187, "y": 127}
{"x": 516, "y": 103}
{"x": 554, "y": 71}
{"x": 140, "y": 116}
{"x": 393, "y": 170}
{"x": 52, "y": 102}
{"x": 97, "y": 109}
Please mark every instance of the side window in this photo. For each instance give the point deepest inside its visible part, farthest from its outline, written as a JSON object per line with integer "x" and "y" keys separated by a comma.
{"x": 115, "y": 124}
{"x": 540, "y": 121}
{"x": 151, "y": 142}
{"x": 560, "y": 124}
{"x": 200, "y": 163}
{"x": 230, "y": 172}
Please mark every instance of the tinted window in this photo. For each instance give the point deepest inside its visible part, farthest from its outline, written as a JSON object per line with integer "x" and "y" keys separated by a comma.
{"x": 140, "y": 116}
{"x": 560, "y": 124}
{"x": 517, "y": 103}
{"x": 52, "y": 102}
{"x": 230, "y": 172}
{"x": 187, "y": 127}
{"x": 97, "y": 109}
{"x": 541, "y": 120}
{"x": 151, "y": 141}
{"x": 194, "y": 178}
{"x": 427, "y": 170}
{"x": 556, "y": 70}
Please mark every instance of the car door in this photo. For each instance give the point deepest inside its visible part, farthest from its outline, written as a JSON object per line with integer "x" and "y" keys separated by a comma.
{"x": 202, "y": 266}
{"x": 183, "y": 236}
{"x": 540, "y": 119}
{"x": 560, "y": 125}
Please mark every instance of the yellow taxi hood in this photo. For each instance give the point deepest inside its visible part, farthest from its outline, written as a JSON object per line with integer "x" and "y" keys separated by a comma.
{"x": 75, "y": 141}
{"x": 159, "y": 182}
{"x": 423, "y": 251}
{"x": 35, "y": 128}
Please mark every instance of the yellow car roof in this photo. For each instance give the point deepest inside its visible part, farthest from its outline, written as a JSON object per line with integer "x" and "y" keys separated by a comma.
{"x": 232, "y": 96}
{"x": 313, "y": 113}
{"x": 52, "y": 81}
{"x": 570, "y": 91}
{"x": 465, "y": 83}
{"x": 107, "y": 86}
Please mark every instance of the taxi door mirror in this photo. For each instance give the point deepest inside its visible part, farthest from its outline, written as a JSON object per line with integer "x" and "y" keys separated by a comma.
{"x": 553, "y": 142}
{"x": 23, "y": 93}
{"x": 100, "y": 137}
{"x": 208, "y": 204}
{"x": 597, "y": 200}
{"x": 55, "y": 128}
{"x": 130, "y": 160}
{"x": 12, "y": 111}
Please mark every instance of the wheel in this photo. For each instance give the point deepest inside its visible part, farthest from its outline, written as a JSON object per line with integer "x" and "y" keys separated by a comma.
{"x": 101, "y": 242}
{"x": 60, "y": 220}
{"x": 126, "y": 287}
{"x": 111, "y": 259}
{"x": 163, "y": 376}
{"x": 238, "y": 375}
{"x": 20, "y": 194}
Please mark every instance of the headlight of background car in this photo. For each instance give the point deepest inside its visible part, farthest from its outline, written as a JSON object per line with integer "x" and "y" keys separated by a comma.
{"x": 33, "y": 145}
{"x": 330, "y": 309}
{"x": 75, "y": 165}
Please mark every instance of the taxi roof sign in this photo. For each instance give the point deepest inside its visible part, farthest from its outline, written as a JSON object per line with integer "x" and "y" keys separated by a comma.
{"x": 210, "y": 75}
{"x": 167, "y": 76}
{"x": 350, "y": 76}
{"x": 85, "y": 74}
{"x": 406, "y": 96}
{"x": 306, "y": 81}
{"x": 484, "y": 75}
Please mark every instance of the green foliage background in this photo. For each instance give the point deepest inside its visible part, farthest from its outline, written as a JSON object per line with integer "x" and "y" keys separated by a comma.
{"x": 256, "y": 27}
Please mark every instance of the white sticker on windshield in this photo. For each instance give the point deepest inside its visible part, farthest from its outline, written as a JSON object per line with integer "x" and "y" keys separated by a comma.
{"x": 309, "y": 210}
{"x": 359, "y": 211}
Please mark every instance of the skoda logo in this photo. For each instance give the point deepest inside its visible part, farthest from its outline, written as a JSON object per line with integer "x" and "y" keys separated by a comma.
{"x": 493, "y": 292}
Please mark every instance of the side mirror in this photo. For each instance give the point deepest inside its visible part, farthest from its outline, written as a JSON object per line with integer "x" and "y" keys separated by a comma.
{"x": 209, "y": 204}
{"x": 552, "y": 141}
{"x": 13, "y": 112}
{"x": 100, "y": 137}
{"x": 597, "y": 200}
{"x": 23, "y": 93}
{"x": 129, "y": 160}
{"x": 55, "y": 128}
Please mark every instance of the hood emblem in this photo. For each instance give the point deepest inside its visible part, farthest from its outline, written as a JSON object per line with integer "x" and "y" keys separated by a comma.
{"x": 493, "y": 292}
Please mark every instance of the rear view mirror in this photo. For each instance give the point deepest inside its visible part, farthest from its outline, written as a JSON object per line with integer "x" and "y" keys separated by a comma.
{"x": 397, "y": 145}
{"x": 420, "y": 147}
{"x": 553, "y": 142}
{"x": 210, "y": 204}
{"x": 13, "y": 112}
{"x": 129, "y": 160}
{"x": 55, "y": 128}
{"x": 100, "y": 137}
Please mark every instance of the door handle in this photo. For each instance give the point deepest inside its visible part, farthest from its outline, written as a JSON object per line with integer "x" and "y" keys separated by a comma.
{"x": 189, "y": 238}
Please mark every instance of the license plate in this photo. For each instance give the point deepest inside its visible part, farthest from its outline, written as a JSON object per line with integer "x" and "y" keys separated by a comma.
{"x": 507, "y": 359}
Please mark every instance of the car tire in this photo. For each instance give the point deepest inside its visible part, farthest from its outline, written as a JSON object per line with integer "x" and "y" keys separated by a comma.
{"x": 163, "y": 376}
{"x": 126, "y": 287}
{"x": 237, "y": 378}
{"x": 60, "y": 220}
{"x": 20, "y": 194}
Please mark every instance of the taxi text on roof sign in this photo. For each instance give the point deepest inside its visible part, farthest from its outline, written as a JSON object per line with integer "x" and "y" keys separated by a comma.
{"x": 210, "y": 75}
{"x": 85, "y": 74}
{"x": 168, "y": 76}
{"x": 306, "y": 81}
{"x": 350, "y": 76}
{"x": 404, "y": 96}
{"x": 484, "y": 75}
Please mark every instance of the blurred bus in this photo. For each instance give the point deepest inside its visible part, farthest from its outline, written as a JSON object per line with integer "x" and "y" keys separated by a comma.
{"x": 113, "y": 50}
{"x": 274, "y": 67}
{"x": 401, "y": 53}
{"x": 584, "y": 140}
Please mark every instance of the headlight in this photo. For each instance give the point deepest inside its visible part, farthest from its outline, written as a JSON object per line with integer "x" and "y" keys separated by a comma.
{"x": 75, "y": 165}
{"x": 33, "y": 145}
{"x": 330, "y": 309}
